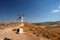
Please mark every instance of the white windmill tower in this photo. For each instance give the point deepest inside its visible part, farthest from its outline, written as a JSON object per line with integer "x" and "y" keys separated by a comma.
{"x": 21, "y": 19}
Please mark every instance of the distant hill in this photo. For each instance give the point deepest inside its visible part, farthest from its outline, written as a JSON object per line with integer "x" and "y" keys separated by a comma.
{"x": 47, "y": 23}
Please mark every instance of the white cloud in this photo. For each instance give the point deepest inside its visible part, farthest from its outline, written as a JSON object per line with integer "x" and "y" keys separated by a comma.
{"x": 55, "y": 11}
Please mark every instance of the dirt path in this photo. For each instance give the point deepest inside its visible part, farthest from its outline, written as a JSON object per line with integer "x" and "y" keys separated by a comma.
{"x": 12, "y": 35}
{"x": 23, "y": 36}
{"x": 8, "y": 33}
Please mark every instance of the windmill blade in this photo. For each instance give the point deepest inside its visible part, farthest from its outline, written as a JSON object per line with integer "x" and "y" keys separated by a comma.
{"x": 18, "y": 14}
{"x": 22, "y": 14}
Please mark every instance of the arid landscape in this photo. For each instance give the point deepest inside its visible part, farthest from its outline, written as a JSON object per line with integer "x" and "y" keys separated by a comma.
{"x": 29, "y": 19}
{"x": 32, "y": 31}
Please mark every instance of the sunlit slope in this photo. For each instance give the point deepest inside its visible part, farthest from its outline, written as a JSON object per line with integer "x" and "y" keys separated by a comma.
{"x": 34, "y": 29}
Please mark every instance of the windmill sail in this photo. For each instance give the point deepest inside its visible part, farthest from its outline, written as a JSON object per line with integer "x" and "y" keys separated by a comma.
{"x": 20, "y": 17}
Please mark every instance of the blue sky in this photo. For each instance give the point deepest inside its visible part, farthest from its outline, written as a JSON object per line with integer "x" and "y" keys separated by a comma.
{"x": 34, "y": 10}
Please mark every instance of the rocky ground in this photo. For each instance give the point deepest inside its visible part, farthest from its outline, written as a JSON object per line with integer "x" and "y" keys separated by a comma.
{"x": 8, "y": 33}
{"x": 31, "y": 32}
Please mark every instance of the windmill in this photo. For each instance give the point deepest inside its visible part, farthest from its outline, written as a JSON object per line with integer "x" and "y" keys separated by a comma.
{"x": 20, "y": 29}
{"x": 20, "y": 17}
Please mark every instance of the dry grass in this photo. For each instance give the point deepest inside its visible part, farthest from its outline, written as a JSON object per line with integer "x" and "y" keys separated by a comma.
{"x": 49, "y": 33}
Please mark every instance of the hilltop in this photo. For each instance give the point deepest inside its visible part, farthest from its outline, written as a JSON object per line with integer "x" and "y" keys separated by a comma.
{"x": 29, "y": 28}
